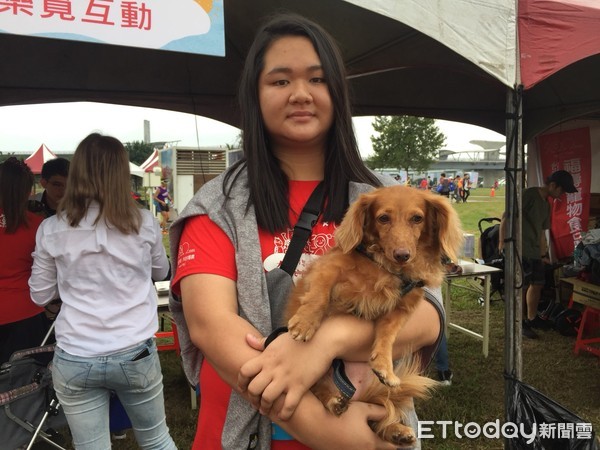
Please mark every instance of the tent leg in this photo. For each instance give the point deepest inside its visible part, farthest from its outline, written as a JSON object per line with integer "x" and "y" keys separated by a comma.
{"x": 512, "y": 249}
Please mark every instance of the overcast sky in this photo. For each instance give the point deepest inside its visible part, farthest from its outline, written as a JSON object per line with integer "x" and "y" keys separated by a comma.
{"x": 62, "y": 126}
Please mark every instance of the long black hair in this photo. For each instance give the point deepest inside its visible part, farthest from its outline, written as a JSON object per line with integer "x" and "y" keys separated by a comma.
{"x": 267, "y": 183}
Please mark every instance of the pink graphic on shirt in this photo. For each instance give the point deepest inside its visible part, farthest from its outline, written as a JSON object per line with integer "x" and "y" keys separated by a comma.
{"x": 317, "y": 244}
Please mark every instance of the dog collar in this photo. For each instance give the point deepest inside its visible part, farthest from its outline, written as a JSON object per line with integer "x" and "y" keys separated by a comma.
{"x": 407, "y": 284}
{"x": 341, "y": 380}
{"x": 410, "y": 286}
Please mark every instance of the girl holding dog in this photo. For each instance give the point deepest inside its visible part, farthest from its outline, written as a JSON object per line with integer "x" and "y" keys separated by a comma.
{"x": 297, "y": 131}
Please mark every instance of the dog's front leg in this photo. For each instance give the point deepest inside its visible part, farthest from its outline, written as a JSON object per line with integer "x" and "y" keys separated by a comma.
{"x": 312, "y": 300}
{"x": 387, "y": 328}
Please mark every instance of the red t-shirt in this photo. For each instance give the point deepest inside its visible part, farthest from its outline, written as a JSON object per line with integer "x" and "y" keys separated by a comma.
{"x": 15, "y": 270}
{"x": 205, "y": 248}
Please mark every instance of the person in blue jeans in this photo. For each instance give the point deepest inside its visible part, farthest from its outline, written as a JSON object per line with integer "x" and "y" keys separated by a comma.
{"x": 99, "y": 253}
{"x": 442, "y": 362}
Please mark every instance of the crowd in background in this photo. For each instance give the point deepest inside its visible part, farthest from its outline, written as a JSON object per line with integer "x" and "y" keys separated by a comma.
{"x": 456, "y": 188}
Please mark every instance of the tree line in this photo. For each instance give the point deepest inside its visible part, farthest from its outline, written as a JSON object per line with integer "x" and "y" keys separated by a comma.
{"x": 405, "y": 142}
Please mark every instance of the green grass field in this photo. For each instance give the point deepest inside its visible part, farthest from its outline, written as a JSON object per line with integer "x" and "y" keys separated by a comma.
{"x": 477, "y": 392}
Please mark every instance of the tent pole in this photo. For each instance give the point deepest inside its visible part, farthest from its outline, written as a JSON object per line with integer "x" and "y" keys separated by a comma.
{"x": 512, "y": 248}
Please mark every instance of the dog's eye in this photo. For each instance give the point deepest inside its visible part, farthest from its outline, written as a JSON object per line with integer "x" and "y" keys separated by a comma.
{"x": 417, "y": 219}
{"x": 384, "y": 218}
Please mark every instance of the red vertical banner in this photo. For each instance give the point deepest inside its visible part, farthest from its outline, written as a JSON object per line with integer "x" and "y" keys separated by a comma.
{"x": 571, "y": 151}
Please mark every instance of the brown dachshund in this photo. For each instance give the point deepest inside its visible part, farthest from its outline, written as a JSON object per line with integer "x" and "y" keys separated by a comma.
{"x": 390, "y": 244}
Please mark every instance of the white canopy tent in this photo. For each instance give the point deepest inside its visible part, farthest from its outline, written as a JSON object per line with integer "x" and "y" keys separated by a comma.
{"x": 447, "y": 59}
{"x": 135, "y": 170}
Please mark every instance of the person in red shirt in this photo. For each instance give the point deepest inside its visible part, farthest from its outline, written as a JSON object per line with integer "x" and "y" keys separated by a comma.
{"x": 23, "y": 324}
{"x": 297, "y": 132}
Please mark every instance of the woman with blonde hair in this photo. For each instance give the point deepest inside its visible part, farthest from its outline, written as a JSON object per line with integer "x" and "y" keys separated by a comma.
{"x": 99, "y": 254}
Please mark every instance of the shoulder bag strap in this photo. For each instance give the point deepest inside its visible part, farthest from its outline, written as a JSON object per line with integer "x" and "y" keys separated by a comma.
{"x": 303, "y": 229}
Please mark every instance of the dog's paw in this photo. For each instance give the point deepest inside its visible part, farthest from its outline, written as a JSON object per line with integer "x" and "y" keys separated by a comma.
{"x": 385, "y": 371}
{"x": 338, "y": 405}
{"x": 302, "y": 330}
{"x": 400, "y": 434}
{"x": 390, "y": 381}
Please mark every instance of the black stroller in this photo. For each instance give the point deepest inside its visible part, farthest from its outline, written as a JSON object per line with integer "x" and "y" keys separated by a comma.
{"x": 489, "y": 253}
{"x": 30, "y": 409}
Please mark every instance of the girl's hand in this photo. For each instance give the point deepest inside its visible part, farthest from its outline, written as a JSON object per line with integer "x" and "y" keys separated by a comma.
{"x": 357, "y": 432}
{"x": 359, "y": 374}
{"x": 287, "y": 367}
{"x": 350, "y": 431}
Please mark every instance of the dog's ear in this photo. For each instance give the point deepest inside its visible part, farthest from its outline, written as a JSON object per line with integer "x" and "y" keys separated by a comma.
{"x": 443, "y": 226}
{"x": 351, "y": 231}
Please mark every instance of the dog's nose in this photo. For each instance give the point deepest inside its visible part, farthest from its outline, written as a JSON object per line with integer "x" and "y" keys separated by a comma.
{"x": 401, "y": 255}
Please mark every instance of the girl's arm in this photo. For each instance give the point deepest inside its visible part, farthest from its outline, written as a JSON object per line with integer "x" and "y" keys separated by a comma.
{"x": 211, "y": 313}
{"x": 210, "y": 308}
{"x": 318, "y": 429}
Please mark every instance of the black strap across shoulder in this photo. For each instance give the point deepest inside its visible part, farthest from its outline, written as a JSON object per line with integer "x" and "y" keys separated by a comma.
{"x": 303, "y": 229}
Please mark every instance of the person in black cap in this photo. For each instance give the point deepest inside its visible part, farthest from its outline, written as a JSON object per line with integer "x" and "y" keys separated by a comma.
{"x": 536, "y": 220}
{"x": 562, "y": 179}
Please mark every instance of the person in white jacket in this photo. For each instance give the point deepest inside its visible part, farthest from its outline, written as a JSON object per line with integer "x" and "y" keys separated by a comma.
{"x": 99, "y": 253}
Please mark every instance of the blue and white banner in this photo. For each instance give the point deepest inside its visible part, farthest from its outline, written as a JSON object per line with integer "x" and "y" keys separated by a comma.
{"x": 190, "y": 26}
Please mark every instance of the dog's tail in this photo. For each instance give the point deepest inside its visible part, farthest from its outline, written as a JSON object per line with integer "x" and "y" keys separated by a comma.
{"x": 398, "y": 401}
